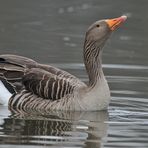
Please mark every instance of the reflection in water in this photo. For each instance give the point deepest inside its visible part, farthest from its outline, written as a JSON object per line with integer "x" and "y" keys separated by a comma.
{"x": 75, "y": 129}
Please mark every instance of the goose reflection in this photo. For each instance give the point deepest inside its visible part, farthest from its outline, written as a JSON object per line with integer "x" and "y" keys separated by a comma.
{"x": 56, "y": 128}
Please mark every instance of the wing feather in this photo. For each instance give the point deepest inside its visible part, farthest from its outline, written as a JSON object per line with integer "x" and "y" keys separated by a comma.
{"x": 46, "y": 84}
{"x": 43, "y": 80}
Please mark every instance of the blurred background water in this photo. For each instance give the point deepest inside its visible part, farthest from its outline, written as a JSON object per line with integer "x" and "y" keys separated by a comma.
{"x": 52, "y": 32}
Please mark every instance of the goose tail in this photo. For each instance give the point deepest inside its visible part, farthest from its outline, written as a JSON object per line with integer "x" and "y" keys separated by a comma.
{"x": 12, "y": 69}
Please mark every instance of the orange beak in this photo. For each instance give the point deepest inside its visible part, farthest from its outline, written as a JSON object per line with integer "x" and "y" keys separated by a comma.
{"x": 114, "y": 23}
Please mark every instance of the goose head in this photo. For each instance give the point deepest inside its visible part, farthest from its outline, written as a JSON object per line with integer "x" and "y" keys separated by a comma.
{"x": 100, "y": 31}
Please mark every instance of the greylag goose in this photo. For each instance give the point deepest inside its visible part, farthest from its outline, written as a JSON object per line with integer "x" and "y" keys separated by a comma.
{"x": 28, "y": 85}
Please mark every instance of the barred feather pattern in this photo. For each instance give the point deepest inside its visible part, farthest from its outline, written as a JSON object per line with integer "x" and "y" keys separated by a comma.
{"x": 28, "y": 101}
{"x": 92, "y": 62}
{"x": 38, "y": 85}
{"x": 48, "y": 86}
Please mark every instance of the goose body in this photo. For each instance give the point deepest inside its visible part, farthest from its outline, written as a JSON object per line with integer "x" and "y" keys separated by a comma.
{"x": 29, "y": 85}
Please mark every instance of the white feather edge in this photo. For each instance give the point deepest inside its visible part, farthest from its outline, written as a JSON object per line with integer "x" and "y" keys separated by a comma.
{"x": 4, "y": 94}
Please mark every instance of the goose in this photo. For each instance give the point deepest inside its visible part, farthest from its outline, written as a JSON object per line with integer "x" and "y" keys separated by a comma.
{"x": 28, "y": 85}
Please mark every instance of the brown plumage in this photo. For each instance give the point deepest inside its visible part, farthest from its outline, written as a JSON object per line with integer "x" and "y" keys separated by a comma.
{"x": 24, "y": 73}
{"x": 39, "y": 86}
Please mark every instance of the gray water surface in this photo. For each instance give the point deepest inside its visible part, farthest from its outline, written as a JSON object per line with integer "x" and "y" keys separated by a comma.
{"x": 52, "y": 32}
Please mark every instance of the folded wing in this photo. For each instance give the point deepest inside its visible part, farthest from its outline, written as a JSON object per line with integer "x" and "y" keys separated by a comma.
{"x": 43, "y": 80}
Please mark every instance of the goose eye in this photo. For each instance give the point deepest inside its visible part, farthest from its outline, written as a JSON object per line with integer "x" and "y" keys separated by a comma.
{"x": 97, "y": 25}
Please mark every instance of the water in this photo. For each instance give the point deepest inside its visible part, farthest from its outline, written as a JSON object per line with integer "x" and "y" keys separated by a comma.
{"x": 53, "y": 32}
